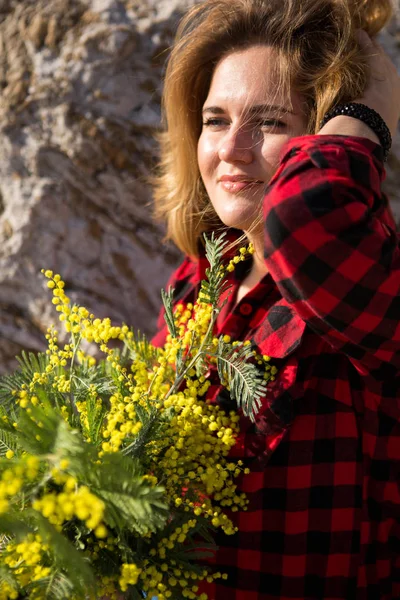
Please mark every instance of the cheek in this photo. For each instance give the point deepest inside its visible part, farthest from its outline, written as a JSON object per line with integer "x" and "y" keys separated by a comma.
{"x": 271, "y": 152}
{"x": 207, "y": 156}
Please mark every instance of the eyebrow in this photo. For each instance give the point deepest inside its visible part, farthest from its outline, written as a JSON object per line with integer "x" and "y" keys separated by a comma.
{"x": 256, "y": 109}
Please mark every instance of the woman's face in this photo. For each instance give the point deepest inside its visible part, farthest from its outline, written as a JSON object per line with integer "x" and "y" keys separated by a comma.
{"x": 245, "y": 124}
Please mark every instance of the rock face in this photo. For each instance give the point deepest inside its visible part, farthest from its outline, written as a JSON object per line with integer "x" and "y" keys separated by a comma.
{"x": 80, "y": 88}
{"x": 80, "y": 95}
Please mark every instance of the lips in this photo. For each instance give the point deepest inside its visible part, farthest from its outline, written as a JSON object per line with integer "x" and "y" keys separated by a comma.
{"x": 238, "y": 183}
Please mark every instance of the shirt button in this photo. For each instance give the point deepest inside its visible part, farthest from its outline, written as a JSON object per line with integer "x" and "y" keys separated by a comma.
{"x": 246, "y": 309}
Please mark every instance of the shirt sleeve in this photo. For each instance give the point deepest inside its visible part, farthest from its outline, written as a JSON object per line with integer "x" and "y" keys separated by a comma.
{"x": 332, "y": 248}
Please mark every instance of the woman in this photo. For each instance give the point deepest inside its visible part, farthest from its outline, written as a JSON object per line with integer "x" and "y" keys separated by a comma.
{"x": 247, "y": 86}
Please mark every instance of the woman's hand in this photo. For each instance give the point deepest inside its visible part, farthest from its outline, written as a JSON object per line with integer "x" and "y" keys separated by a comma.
{"x": 382, "y": 94}
{"x": 383, "y": 90}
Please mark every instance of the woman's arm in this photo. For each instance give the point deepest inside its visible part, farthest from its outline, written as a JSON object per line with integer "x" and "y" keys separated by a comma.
{"x": 382, "y": 94}
{"x": 329, "y": 250}
{"x": 348, "y": 126}
{"x": 330, "y": 242}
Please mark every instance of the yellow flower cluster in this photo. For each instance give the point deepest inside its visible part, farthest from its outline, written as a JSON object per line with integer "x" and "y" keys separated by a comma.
{"x": 13, "y": 478}
{"x": 93, "y": 403}
{"x": 170, "y": 580}
{"x": 190, "y": 460}
{"x": 109, "y": 588}
{"x": 24, "y": 398}
{"x": 57, "y": 356}
{"x": 121, "y": 422}
{"x": 24, "y": 559}
{"x": 73, "y": 501}
{"x": 85, "y": 358}
{"x": 193, "y": 323}
{"x": 200, "y": 436}
{"x": 197, "y": 324}
{"x": 29, "y": 551}
{"x": 243, "y": 252}
{"x": 8, "y": 592}
{"x": 179, "y": 536}
{"x": 129, "y": 575}
{"x": 78, "y": 320}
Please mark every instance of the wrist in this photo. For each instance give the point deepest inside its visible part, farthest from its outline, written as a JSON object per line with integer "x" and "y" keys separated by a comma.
{"x": 343, "y": 125}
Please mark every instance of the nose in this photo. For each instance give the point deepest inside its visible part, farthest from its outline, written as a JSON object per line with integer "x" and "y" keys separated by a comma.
{"x": 236, "y": 146}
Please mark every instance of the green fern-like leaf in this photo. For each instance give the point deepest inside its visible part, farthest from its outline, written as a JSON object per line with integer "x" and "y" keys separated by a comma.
{"x": 148, "y": 432}
{"x": 66, "y": 558}
{"x": 55, "y": 587}
{"x": 9, "y": 384}
{"x": 95, "y": 416}
{"x": 7, "y": 577}
{"x": 16, "y": 525}
{"x": 212, "y": 287}
{"x": 145, "y": 513}
{"x": 96, "y": 411}
{"x": 8, "y": 441}
{"x": 167, "y": 298}
{"x": 43, "y": 431}
{"x": 246, "y": 383}
{"x": 138, "y": 346}
{"x": 131, "y": 503}
{"x": 31, "y": 363}
{"x": 83, "y": 376}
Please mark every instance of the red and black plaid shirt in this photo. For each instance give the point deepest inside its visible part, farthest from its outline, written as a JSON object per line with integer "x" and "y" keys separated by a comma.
{"x": 324, "y": 488}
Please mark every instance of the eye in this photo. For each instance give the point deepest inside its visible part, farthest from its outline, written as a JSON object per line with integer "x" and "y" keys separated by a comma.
{"x": 268, "y": 123}
{"x": 214, "y": 122}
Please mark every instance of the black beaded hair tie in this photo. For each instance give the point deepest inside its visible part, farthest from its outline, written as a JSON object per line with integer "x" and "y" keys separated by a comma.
{"x": 369, "y": 116}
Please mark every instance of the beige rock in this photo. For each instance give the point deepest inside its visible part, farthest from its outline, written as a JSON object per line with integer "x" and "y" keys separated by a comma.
{"x": 78, "y": 116}
{"x": 37, "y": 30}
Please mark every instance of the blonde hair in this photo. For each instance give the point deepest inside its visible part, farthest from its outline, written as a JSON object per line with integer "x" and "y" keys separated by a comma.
{"x": 318, "y": 55}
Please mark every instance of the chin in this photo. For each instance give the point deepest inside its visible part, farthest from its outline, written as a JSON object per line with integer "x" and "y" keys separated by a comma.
{"x": 243, "y": 220}
{"x": 237, "y": 211}
{"x": 241, "y": 225}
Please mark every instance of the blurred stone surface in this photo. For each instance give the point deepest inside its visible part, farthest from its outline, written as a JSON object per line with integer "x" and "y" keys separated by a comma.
{"x": 80, "y": 85}
{"x": 80, "y": 95}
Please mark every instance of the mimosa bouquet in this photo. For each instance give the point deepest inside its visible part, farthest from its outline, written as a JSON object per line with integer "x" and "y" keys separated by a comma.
{"x": 114, "y": 473}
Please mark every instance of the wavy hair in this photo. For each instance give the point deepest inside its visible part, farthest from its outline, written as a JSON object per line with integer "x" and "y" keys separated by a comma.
{"x": 318, "y": 55}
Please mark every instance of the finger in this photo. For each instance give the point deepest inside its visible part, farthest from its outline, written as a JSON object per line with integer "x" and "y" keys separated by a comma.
{"x": 363, "y": 37}
{"x": 374, "y": 53}
{"x": 366, "y": 42}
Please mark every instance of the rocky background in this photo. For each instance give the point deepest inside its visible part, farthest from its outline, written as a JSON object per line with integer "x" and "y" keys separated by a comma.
{"x": 80, "y": 84}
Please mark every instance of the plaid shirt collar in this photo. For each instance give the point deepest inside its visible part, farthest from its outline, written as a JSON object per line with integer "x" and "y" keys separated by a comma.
{"x": 272, "y": 325}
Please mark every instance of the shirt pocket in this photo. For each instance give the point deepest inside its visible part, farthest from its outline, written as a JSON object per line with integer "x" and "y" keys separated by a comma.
{"x": 279, "y": 336}
{"x": 280, "y": 332}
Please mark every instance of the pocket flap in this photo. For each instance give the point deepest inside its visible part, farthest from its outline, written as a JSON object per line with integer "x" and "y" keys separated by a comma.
{"x": 281, "y": 331}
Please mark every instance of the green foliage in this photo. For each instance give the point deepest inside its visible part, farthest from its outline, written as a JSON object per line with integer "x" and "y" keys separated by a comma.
{"x": 139, "y": 346}
{"x": 31, "y": 363}
{"x": 14, "y": 525}
{"x": 84, "y": 377}
{"x": 8, "y": 441}
{"x": 247, "y": 384}
{"x": 54, "y": 587}
{"x": 7, "y": 577}
{"x": 132, "y": 504}
{"x": 76, "y": 571}
{"x": 8, "y": 383}
{"x": 104, "y": 429}
{"x": 150, "y": 431}
{"x": 214, "y": 284}
{"x": 43, "y": 432}
{"x": 167, "y": 298}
